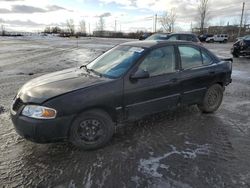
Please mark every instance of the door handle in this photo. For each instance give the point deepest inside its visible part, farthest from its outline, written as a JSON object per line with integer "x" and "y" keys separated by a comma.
{"x": 212, "y": 72}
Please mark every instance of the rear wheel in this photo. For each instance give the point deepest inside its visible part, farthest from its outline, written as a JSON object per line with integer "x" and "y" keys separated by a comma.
{"x": 235, "y": 54}
{"x": 212, "y": 99}
{"x": 92, "y": 129}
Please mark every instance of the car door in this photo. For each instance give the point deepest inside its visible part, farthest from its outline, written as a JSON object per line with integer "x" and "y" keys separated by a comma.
{"x": 160, "y": 91}
{"x": 197, "y": 73}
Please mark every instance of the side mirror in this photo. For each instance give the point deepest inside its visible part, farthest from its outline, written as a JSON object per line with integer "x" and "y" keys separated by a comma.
{"x": 139, "y": 74}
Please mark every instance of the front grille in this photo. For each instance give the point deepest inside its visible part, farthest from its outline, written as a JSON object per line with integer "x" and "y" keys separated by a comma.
{"x": 17, "y": 104}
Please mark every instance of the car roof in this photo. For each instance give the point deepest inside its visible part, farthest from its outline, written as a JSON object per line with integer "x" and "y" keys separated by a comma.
{"x": 182, "y": 34}
{"x": 155, "y": 43}
{"x": 174, "y": 34}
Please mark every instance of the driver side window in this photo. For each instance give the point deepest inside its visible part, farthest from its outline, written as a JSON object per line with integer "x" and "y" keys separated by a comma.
{"x": 159, "y": 61}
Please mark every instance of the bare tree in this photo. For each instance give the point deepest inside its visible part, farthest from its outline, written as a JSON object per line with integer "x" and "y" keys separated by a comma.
{"x": 101, "y": 24}
{"x": 56, "y": 29}
{"x": 82, "y": 26}
{"x": 203, "y": 14}
{"x": 168, "y": 20}
{"x": 47, "y": 30}
{"x": 70, "y": 26}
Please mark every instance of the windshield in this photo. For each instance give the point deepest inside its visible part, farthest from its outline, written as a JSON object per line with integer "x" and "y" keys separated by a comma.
{"x": 116, "y": 62}
{"x": 247, "y": 37}
{"x": 158, "y": 37}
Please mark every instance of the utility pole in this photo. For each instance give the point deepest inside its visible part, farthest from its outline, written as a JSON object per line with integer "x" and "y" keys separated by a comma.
{"x": 155, "y": 22}
{"x": 153, "y": 18}
{"x": 241, "y": 19}
{"x": 89, "y": 29}
{"x": 115, "y": 25}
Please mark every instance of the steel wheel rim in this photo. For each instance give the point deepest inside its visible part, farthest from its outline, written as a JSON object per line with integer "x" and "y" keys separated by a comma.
{"x": 90, "y": 130}
{"x": 213, "y": 98}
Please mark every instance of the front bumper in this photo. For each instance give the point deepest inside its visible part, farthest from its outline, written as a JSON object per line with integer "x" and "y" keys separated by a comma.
{"x": 42, "y": 131}
{"x": 240, "y": 51}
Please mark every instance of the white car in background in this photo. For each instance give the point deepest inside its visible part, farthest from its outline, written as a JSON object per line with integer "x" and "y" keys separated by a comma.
{"x": 218, "y": 38}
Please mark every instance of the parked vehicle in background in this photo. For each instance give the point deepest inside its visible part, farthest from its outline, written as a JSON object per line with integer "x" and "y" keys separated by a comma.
{"x": 240, "y": 38}
{"x": 158, "y": 36}
{"x": 144, "y": 36}
{"x": 175, "y": 36}
{"x": 241, "y": 47}
{"x": 218, "y": 38}
{"x": 203, "y": 37}
{"x": 85, "y": 104}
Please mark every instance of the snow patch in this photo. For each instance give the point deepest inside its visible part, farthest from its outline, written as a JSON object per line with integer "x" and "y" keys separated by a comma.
{"x": 150, "y": 166}
{"x": 240, "y": 74}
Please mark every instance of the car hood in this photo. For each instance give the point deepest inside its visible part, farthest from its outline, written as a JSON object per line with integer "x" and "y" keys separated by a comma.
{"x": 42, "y": 88}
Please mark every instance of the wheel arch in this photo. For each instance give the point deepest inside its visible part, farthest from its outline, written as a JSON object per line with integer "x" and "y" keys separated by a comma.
{"x": 109, "y": 110}
{"x": 220, "y": 83}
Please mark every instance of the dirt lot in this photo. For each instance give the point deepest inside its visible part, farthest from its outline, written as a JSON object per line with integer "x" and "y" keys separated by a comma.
{"x": 183, "y": 148}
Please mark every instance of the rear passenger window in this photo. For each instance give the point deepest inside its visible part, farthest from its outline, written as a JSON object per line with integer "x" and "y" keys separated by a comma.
{"x": 183, "y": 37}
{"x": 207, "y": 60}
{"x": 173, "y": 37}
{"x": 190, "y": 57}
{"x": 194, "y": 39}
{"x": 189, "y": 38}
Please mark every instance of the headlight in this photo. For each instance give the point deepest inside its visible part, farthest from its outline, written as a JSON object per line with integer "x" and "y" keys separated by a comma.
{"x": 39, "y": 112}
{"x": 242, "y": 43}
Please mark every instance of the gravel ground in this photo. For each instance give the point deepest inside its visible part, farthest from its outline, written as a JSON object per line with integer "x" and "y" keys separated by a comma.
{"x": 181, "y": 148}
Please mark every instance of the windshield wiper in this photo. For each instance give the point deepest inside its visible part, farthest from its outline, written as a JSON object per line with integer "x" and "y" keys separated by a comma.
{"x": 86, "y": 68}
{"x": 95, "y": 72}
{"x": 90, "y": 70}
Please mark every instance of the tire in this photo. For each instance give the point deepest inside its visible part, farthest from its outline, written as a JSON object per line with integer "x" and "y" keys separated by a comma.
{"x": 212, "y": 99}
{"x": 235, "y": 55}
{"x": 91, "y": 130}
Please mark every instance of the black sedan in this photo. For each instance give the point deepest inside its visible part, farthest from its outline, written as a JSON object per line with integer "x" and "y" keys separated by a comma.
{"x": 241, "y": 47}
{"x": 85, "y": 104}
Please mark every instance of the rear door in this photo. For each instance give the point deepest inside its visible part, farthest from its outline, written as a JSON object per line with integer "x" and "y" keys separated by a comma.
{"x": 157, "y": 93}
{"x": 197, "y": 73}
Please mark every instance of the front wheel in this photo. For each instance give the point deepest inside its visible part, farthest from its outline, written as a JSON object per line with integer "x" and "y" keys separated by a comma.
{"x": 212, "y": 99}
{"x": 92, "y": 129}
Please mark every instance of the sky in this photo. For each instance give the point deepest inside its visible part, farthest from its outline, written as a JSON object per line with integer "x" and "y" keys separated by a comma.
{"x": 119, "y": 15}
